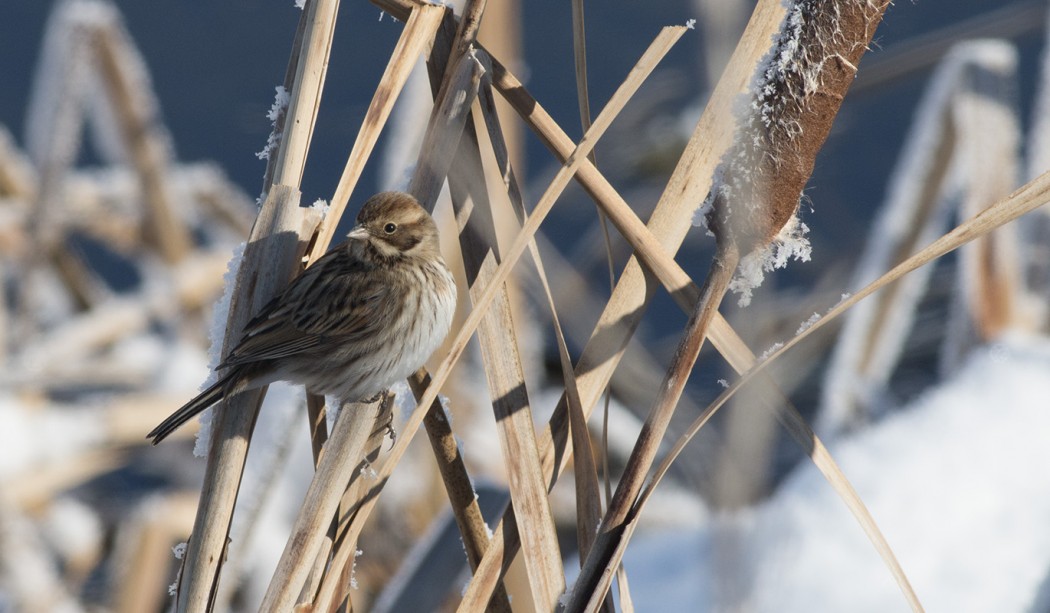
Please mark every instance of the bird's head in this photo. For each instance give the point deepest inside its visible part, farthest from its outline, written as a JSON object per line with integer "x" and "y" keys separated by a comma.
{"x": 395, "y": 225}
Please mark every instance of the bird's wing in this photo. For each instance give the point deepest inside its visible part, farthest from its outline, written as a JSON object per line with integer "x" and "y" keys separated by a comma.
{"x": 337, "y": 297}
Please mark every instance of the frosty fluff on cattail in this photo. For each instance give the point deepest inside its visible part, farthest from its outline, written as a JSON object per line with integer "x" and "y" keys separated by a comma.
{"x": 367, "y": 314}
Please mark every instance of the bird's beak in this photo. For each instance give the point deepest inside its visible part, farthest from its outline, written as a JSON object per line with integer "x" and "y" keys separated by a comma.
{"x": 358, "y": 233}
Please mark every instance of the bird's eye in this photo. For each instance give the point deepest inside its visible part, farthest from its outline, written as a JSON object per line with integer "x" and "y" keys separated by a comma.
{"x": 390, "y": 228}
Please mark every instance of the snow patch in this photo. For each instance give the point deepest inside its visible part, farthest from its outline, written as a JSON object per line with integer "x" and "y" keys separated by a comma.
{"x": 955, "y": 482}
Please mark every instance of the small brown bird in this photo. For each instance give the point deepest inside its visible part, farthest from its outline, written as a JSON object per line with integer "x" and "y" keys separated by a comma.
{"x": 365, "y": 315}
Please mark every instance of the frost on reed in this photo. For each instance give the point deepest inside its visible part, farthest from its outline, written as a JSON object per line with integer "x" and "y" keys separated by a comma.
{"x": 788, "y": 113}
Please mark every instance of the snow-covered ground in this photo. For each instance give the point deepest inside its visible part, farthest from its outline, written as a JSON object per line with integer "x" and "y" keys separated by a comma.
{"x": 959, "y": 482}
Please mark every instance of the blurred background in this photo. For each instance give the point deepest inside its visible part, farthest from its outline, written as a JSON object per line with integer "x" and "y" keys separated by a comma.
{"x": 114, "y": 249}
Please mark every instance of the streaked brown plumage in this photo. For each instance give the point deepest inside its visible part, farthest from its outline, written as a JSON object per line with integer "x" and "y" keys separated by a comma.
{"x": 365, "y": 315}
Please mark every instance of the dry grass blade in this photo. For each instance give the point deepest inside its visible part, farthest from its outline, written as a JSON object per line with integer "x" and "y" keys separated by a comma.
{"x": 579, "y": 55}
{"x": 144, "y": 550}
{"x": 318, "y": 421}
{"x": 588, "y": 494}
{"x": 417, "y": 35}
{"x": 585, "y": 535}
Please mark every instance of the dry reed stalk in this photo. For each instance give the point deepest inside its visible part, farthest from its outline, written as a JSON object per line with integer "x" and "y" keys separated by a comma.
{"x": 207, "y": 184}
{"x": 588, "y": 501}
{"x": 270, "y": 260}
{"x": 332, "y": 593}
{"x": 84, "y": 285}
{"x": 656, "y": 50}
{"x": 344, "y": 451}
{"x": 32, "y": 582}
{"x": 103, "y": 205}
{"x": 445, "y": 129}
{"x": 53, "y": 135}
{"x": 501, "y": 34}
{"x": 362, "y": 485}
{"x": 306, "y": 83}
{"x": 506, "y": 379}
{"x": 504, "y": 372}
{"x": 587, "y": 490}
{"x": 466, "y": 35}
{"x": 276, "y": 238}
{"x": 196, "y": 279}
{"x": 32, "y": 490}
{"x": 538, "y": 559}
{"x": 589, "y": 591}
{"x": 317, "y": 421}
{"x": 54, "y": 124}
{"x": 79, "y": 338}
{"x": 329, "y": 590}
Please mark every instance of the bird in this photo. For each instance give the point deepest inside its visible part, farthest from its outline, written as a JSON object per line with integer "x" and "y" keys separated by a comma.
{"x": 365, "y": 315}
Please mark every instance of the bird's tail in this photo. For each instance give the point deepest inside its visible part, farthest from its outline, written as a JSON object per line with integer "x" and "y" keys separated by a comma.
{"x": 202, "y": 401}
